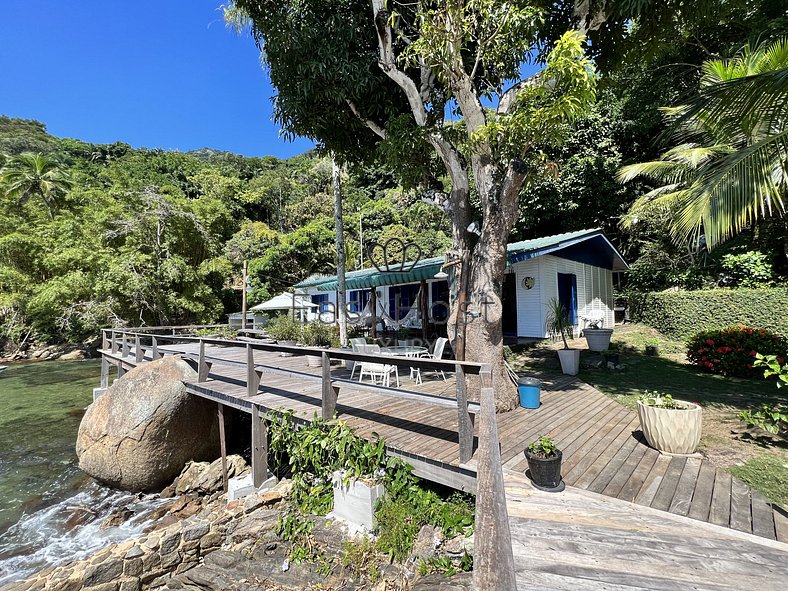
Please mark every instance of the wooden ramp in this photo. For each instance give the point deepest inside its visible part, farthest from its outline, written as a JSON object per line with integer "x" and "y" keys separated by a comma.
{"x": 582, "y": 540}
{"x": 603, "y": 450}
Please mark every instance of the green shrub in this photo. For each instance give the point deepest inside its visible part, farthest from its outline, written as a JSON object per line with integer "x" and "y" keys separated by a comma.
{"x": 732, "y": 351}
{"x": 284, "y": 328}
{"x": 320, "y": 334}
{"x": 681, "y": 314}
{"x": 748, "y": 269}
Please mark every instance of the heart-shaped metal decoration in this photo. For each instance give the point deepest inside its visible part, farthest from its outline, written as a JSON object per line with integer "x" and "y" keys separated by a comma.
{"x": 392, "y": 255}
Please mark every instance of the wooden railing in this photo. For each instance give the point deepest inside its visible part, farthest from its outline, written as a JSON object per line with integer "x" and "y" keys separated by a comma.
{"x": 493, "y": 557}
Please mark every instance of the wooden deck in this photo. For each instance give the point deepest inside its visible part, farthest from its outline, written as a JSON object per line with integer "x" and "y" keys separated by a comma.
{"x": 584, "y": 540}
{"x": 603, "y": 449}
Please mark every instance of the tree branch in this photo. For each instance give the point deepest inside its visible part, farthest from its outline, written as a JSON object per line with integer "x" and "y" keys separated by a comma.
{"x": 377, "y": 129}
{"x": 388, "y": 63}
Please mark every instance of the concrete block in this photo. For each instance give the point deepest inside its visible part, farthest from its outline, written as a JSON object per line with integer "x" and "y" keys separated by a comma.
{"x": 243, "y": 486}
{"x": 354, "y": 502}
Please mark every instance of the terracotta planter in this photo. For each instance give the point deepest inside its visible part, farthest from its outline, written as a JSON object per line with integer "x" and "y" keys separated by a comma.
{"x": 598, "y": 339}
{"x": 675, "y": 431}
{"x": 570, "y": 361}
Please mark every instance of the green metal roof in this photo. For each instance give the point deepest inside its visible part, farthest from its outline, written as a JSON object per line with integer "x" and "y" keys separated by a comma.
{"x": 601, "y": 253}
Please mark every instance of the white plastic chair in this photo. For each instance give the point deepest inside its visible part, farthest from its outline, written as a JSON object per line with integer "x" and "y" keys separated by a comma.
{"x": 437, "y": 352}
{"x": 376, "y": 370}
{"x": 354, "y": 345}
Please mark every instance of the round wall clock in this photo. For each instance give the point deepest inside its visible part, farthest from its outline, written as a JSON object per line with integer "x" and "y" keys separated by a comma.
{"x": 528, "y": 282}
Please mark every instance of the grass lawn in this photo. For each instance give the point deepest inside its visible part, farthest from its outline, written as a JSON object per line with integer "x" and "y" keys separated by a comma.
{"x": 765, "y": 467}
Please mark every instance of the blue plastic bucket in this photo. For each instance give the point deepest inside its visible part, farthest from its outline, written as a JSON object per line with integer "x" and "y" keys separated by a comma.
{"x": 530, "y": 390}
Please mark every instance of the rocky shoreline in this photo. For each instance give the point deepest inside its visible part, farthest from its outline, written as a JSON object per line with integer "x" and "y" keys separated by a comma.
{"x": 201, "y": 542}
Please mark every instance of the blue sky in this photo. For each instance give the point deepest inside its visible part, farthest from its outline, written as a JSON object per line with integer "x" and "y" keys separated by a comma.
{"x": 148, "y": 73}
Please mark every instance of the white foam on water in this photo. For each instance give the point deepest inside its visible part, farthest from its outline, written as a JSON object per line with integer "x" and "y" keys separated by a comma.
{"x": 71, "y": 530}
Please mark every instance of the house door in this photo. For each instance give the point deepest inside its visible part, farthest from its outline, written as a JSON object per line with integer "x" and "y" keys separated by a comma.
{"x": 567, "y": 294}
{"x": 509, "y": 303}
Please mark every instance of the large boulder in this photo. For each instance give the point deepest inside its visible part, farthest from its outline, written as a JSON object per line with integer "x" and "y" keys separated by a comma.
{"x": 143, "y": 430}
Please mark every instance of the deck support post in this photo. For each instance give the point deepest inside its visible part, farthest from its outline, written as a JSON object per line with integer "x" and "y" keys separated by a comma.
{"x": 252, "y": 374}
{"x": 155, "y": 344}
{"x": 121, "y": 370}
{"x": 104, "y": 339}
{"x": 114, "y": 344}
{"x": 139, "y": 353}
{"x": 329, "y": 392}
{"x": 124, "y": 352}
{"x": 223, "y": 445}
{"x": 104, "y": 372}
{"x": 203, "y": 366}
{"x": 374, "y": 307}
{"x": 259, "y": 447}
{"x": 464, "y": 418}
{"x": 493, "y": 559}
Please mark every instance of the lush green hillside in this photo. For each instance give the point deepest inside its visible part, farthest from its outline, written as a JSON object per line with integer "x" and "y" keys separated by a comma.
{"x": 148, "y": 236}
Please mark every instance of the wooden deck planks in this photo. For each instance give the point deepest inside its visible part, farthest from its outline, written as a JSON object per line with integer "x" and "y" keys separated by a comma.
{"x": 603, "y": 449}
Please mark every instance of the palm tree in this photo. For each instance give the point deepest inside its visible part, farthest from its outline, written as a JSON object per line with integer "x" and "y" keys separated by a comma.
{"x": 31, "y": 175}
{"x": 730, "y": 166}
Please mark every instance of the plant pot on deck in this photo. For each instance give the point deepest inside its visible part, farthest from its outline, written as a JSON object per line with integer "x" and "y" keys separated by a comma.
{"x": 570, "y": 361}
{"x": 286, "y": 344}
{"x": 354, "y": 501}
{"x": 598, "y": 339}
{"x": 545, "y": 472}
{"x": 675, "y": 431}
{"x": 314, "y": 361}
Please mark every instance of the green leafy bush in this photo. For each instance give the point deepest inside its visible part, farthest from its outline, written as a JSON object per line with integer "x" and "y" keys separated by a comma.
{"x": 320, "y": 334}
{"x": 732, "y": 351}
{"x": 770, "y": 418}
{"x": 748, "y": 269}
{"x": 681, "y": 314}
{"x": 284, "y": 328}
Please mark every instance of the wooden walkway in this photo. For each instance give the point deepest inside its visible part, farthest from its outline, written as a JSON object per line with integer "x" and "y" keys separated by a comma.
{"x": 603, "y": 449}
{"x": 583, "y": 540}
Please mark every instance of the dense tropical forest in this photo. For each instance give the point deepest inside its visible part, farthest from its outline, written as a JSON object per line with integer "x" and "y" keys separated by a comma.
{"x": 99, "y": 235}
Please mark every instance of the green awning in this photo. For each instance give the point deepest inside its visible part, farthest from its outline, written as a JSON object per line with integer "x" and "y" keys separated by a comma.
{"x": 585, "y": 246}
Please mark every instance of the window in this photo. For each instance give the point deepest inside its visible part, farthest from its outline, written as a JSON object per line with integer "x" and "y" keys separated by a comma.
{"x": 321, "y": 300}
{"x": 357, "y": 299}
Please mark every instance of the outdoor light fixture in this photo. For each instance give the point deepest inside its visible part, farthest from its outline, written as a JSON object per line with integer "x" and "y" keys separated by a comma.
{"x": 441, "y": 274}
{"x": 473, "y": 228}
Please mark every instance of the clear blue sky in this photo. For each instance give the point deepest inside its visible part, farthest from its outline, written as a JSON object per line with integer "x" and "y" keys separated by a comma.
{"x": 148, "y": 73}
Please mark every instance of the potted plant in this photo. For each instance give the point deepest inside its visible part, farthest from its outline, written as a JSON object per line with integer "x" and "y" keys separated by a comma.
{"x": 669, "y": 425}
{"x": 355, "y": 498}
{"x": 558, "y": 323}
{"x": 652, "y": 348}
{"x": 285, "y": 331}
{"x": 318, "y": 334}
{"x": 598, "y": 338}
{"x": 544, "y": 463}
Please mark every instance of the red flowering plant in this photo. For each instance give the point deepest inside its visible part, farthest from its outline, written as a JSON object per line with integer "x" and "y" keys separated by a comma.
{"x": 731, "y": 351}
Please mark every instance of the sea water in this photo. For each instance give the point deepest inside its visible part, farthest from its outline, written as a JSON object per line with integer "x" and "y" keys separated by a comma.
{"x": 50, "y": 512}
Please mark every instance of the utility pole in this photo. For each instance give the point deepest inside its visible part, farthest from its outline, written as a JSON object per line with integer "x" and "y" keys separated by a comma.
{"x": 341, "y": 293}
{"x": 244, "y": 281}
{"x": 360, "y": 241}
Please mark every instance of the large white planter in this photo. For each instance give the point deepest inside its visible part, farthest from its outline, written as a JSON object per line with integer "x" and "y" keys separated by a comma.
{"x": 598, "y": 339}
{"x": 355, "y": 501}
{"x": 675, "y": 431}
{"x": 570, "y": 361}
{"x": 287, "y": 344}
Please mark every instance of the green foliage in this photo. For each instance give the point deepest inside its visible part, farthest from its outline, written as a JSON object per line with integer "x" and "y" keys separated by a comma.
{"x": 544, "y": 447}
{"x": 748, "y": 269}
{"x": 557, "y": 321}
{"x": 311, "y": 454}
{"x": 768, "y": 474}
{"x": 320, "y": 334}
{"x": 360, "y": 556}
{"x": 445, "y": 565}
{"x": 773, "y": 366}
{"x": 660, "y": 400}
{"x": 682, "y": 314}
{"x": 732, "y": 351}
{"x": 771, "y": 418}
{"x": 726, "y": 169}
{"x": 284, "y": 328}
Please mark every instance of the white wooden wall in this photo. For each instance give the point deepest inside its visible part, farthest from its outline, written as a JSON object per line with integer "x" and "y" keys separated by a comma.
{"x": 594, "y": 292}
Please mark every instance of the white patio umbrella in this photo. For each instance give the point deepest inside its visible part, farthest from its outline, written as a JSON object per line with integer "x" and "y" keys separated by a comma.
{"x": 286, "y": 301}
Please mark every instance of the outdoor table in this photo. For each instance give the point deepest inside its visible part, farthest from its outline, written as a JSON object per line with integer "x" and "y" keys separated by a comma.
{"x": 408, "y": 351}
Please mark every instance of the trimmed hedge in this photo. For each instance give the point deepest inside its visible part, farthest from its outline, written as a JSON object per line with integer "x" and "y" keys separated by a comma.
{"x": 682, "y": 314}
